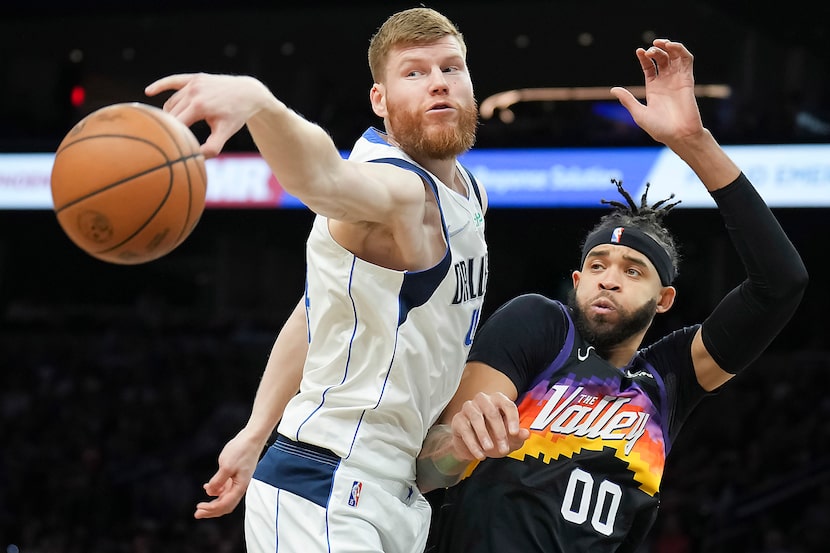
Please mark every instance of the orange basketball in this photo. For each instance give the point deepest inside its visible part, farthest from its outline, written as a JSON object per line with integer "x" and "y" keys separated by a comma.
{"x": 128, "y": 183}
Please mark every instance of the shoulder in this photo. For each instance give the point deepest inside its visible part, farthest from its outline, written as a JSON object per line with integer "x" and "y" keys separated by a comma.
{"x": 522, "y": 337}
{"x": 533, "y": 302}
{"x": 372, "y": 144}
{"x": 672, "y": 350}
{"x": 529, "y": 311}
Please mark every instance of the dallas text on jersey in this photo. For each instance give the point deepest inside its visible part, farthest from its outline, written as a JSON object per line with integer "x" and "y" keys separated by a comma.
{"x": 470, "y": 279}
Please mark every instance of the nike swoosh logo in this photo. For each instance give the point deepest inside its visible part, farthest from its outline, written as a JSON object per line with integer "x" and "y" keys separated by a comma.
{"x": 629, "y": 374}
{"x": 581, "y": 356}
{"x": 453, "y": 232}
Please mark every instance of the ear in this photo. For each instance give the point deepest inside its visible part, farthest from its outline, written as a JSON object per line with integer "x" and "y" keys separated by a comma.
{"x": 666, "y": 299}
{"x": 575, "y": 276}
{"x": 377, "y": 97}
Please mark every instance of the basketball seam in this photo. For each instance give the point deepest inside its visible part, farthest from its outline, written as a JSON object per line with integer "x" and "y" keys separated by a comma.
{"x": 181, "y": 183}
{"x": 186, "y": 227}
{"x": 150, "y": 218}
{"x": 168, "y": 163}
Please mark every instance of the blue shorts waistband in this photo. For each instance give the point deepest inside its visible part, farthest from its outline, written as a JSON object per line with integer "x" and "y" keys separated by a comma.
{"x": 303, "y": 469}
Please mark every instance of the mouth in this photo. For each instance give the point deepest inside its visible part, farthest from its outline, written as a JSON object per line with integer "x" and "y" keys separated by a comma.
{"x": 441, "y": 106}
{"x": 603, "y": 305}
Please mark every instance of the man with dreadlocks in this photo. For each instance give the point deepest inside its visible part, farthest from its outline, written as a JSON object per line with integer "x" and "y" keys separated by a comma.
{"x": 562, "y": 423}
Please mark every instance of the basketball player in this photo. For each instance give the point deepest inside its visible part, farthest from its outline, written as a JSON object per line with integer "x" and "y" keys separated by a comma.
{"x": 597, "y": 413}
{"x": 397, "y": 271}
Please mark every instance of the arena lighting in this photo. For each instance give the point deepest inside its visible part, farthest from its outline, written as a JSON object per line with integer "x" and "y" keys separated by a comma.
{"x": 502, "y": 101}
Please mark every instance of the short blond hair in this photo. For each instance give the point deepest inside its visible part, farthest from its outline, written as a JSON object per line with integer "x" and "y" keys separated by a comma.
{"x": 408, "y": 27}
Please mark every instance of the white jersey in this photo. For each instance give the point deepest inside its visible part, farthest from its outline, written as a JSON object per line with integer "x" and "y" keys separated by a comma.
{"x": 387, "y": 347}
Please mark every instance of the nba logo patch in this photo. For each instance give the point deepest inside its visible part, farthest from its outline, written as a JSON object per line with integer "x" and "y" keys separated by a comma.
{"x": 354, "y": 496}
{"x": 616, "y": 235}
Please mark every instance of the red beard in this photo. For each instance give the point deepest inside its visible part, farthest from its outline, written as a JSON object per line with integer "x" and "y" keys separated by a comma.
{"x": 421, "y": 141}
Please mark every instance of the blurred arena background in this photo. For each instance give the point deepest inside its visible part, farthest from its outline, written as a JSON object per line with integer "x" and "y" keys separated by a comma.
{"x": 119, "y": 385}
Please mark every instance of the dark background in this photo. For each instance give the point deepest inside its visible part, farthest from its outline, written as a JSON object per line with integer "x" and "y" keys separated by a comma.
{"x": 120, "y": 384}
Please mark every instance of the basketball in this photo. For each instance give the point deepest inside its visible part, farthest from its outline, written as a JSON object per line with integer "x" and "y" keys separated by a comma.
{"x": 128, "y": 183}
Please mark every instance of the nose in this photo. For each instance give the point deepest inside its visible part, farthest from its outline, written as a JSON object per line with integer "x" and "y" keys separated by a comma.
{"x": 609, "y": 280}
{"x": 438, "y": 82}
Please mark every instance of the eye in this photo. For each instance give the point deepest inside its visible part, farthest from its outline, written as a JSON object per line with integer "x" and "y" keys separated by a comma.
{"x": 634, "y": 271}
{"x": 452, "y": 69}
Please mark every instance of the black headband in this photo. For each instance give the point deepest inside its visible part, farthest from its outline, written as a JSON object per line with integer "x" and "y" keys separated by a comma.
{"x": 635, "y": 239}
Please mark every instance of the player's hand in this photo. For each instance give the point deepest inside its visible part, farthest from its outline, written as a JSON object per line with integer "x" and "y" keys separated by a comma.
{"x": 487, "y": 426}
{"x": 237, "y": 463}
{"x": 670, "y": 113}
{"x": 225, "y": 102}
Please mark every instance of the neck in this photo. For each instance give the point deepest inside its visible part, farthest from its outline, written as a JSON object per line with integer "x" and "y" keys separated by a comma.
{"x": 445, "y": 170}
{"x": 621, "y": 354}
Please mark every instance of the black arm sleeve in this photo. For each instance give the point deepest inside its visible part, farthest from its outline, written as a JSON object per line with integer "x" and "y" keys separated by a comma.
{"x": 747, "y": 320}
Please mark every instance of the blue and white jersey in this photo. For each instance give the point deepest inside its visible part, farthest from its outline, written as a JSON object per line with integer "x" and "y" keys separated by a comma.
{"x": 387, "y": 347}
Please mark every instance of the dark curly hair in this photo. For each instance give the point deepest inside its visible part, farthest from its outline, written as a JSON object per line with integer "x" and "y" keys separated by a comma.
{"x": 647, "y": 218}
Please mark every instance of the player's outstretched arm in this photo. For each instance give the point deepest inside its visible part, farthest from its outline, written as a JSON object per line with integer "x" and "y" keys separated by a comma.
{"x": 301, "y": 154}
{"x": 280, "y": 382}
{"x": 746, "y": 321}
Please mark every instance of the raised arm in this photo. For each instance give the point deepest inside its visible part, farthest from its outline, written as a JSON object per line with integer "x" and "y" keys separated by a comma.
{"x": 753, "y": 314}
{"x": 671, "y": 115}
{"x": 749, "y": 317}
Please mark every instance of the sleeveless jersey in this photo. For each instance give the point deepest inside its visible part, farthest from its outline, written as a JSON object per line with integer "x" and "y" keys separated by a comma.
{"x": 387, "y": 347}
{"x": 588, "y": 478}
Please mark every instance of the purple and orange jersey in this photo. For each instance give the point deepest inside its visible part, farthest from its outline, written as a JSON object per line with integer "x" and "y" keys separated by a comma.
{"x": 588, "y": 478}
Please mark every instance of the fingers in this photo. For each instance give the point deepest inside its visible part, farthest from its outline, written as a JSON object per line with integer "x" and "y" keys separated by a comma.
{"x": 646, "y": 63}
{"x": 664, "y": 55}
{"x": 218, "y": 481}
{"x": 657, "y": 57}
{"x": 214, "y": 143}
{"x": 179, "y": 107}
{"x": 463, "y": 431}
{"x": 191, "y": 102}
{"x": 628, "y": 100}
{"x": 218, "y": 507}
{"x": 184, "y": 103}
{"x": 488, "y": 426}
{"x": 228, "y": 493}
{"x": 674, "y": 48}
{"x": 171, "y": 82}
